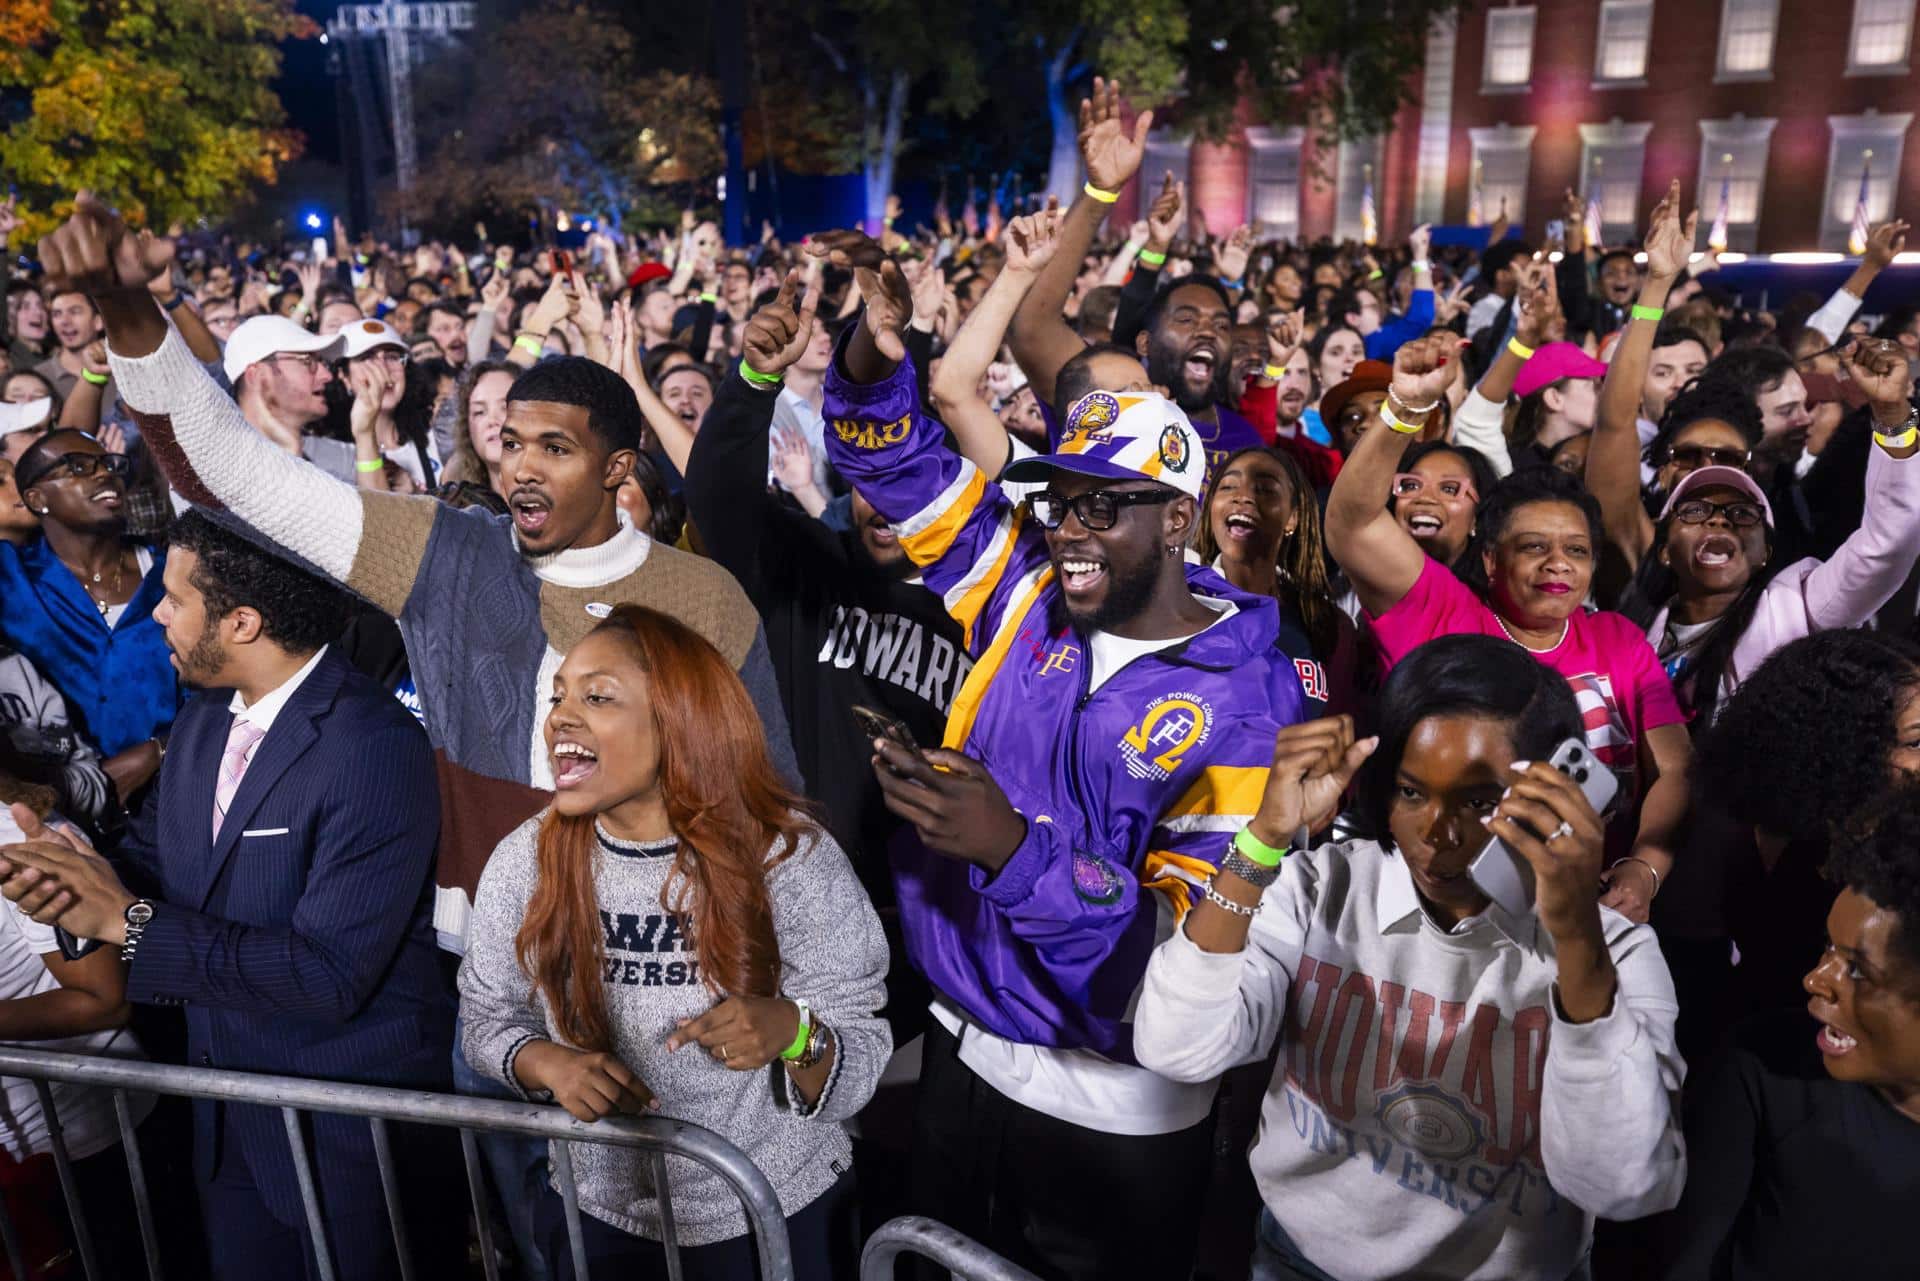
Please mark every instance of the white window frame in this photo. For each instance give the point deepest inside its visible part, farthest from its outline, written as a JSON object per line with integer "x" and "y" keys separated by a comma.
{"x": 1509, "y": 13}
{"x": 1351, "y": 180}
{"x": 1612, "y": 141}
{"x": 1886, "y": 134}
{"x": 1503, "y": 140}
{"x": 1166, "y": 150}
{"x": 1723, "y": 74}
{"x": 1617, "y": 9}
{"x": 1897, "y": 67}
{"x": 1281, "y": 148}
{"x": 1733, "y": 137}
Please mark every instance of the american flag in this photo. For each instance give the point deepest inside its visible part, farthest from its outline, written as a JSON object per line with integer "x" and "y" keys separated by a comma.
{"x": 1369, "y": 224}
{"x": 1593, "y": 222}
{"x": 1857, "y": 238}
{"x": 1717, "y": 237}
{"x": 1476, "y": 206}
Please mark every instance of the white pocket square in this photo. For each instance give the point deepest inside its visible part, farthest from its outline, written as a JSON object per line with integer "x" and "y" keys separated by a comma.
{"x": 265, "y": 831}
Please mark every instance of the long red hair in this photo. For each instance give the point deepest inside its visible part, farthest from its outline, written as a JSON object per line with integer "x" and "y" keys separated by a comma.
{"x": 728, "y": 808}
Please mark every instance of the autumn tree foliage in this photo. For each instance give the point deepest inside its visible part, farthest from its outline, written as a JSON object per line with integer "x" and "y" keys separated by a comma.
{"x": 164, "y": 107}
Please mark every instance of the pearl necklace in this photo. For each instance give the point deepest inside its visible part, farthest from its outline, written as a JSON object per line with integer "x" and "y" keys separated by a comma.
{"x": 1564, "y": 626}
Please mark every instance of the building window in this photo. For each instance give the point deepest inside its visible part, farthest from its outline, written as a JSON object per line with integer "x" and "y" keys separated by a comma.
{"x": 1882, "y": 30}
{"x": 1501, "y": 157}
{"x": 1746, "y": 39}
{"x": 1359, "y": 164}
{"x": 1612, "y": 157}
{"x": 1733, "y": 154}
{"x": 1273, "y": 186}
{"x": 1509, "y": 48}
{"x": 1848, "y": 159}
{"x": 1625, "y": 27}
{"x": 1166, "y": 153}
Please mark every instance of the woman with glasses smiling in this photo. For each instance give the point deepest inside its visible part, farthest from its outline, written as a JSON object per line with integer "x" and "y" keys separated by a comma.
{"x": 1713, "y": 598}
{"x": 79, "y": 603}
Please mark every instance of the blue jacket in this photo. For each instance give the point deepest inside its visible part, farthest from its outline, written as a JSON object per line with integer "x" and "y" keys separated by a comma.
{"x": 118, "y": 681}
{"x": 301, "y": 940}
{"x": 1130, "y": 792}
{"x": 1401, "y": 330}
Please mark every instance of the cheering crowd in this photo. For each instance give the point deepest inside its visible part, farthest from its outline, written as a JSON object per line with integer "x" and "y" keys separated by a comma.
{"x": 1302, "y": 761}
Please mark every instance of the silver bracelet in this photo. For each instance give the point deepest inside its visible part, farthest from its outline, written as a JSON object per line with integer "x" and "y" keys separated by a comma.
{"x": 1650, "y": 872}
{"x": 1254, "y": 874}
{"x": 1220, "y": 900}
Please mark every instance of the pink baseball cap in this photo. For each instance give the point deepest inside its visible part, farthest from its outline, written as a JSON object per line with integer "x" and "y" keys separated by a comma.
{"x": 1552, "y": 362}
{"x": 1709, "y": 477}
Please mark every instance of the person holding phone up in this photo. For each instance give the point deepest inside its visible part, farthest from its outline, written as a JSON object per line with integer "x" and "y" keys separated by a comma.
{"x": 1461, "y": 1090}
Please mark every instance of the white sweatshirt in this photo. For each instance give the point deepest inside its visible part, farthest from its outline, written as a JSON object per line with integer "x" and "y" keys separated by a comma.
{"x": 1431, "y": 1113}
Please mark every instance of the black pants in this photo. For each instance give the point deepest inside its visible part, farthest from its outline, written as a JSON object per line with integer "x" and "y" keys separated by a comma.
{"x": 821, "y": 1236}
{"x": 1065, "y": 1202}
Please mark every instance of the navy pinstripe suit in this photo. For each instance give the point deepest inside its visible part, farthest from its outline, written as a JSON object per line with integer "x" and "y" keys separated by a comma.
{"x": 301, "y": 940}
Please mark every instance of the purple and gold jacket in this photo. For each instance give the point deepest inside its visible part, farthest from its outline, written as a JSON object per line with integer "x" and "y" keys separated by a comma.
{"x": 1130, "y": 792}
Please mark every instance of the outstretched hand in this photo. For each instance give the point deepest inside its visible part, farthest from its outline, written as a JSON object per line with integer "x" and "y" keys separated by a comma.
{"x": 1112, "y": 156}
{"x": 1669, "y": 243}
{"x": 777, "y": 334}
{"x": 882, "y": 285}
{"x": 1886, "y": 242}
{"x": 94, "y": 253}
{"x": 1031, "y": 239}
{"x": 1163, "y": 216}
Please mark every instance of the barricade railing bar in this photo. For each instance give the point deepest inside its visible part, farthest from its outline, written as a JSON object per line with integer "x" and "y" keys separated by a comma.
{"x": 661, "y": 1137}
{"x": 959, "y": 1253}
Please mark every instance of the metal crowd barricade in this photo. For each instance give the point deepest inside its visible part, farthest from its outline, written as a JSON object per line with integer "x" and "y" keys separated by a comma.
{"x": 960, "y": 1254}
{"x": 295, "y": 1095}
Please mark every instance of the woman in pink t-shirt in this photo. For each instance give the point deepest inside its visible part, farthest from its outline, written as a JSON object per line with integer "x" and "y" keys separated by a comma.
{"x": 1540, "y": 533}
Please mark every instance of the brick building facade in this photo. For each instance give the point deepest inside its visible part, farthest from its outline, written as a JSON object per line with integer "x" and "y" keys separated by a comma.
{"x": 1782, "y": 102}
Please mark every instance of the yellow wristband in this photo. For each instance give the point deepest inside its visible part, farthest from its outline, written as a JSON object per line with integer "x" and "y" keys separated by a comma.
{"x": 1275, "y": 372}
{"x": 529, "y": 344}
{"x": 1519, "y": 349}
{"x": 1901, "y": 441}
{"x": 1405, "y": 429}
{"x": 1153, "y": 259}
{"x": 98, "y": 380}
{"x": 363, "y": 464}
{"x": 1104, "y": 197}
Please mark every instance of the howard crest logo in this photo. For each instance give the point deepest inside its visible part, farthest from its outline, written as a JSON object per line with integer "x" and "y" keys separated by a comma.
{"x": 1095, "y": 411}
{"x": 1173, "y": 725}
{"x": 1174, "y": 455}
{"x": 872, "y": 435}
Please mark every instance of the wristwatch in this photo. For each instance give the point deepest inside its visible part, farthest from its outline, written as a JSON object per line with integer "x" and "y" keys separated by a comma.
{"x": 817, "y": 1040}
{"x": 138, "y": 913}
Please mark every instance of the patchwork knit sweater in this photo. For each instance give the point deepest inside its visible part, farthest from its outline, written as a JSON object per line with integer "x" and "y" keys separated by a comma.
{"x": 485, "y": 625}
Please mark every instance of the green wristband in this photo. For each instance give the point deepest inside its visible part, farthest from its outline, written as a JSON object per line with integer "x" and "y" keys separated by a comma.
{"x": 98, "y": 380}
{"x": 800, "y": 1038}
{"x": 1256, "y": 849}
{"x": 757, "y": 378}
{"x": 1648, "y": 313}
{"x": 1152, "y": 259}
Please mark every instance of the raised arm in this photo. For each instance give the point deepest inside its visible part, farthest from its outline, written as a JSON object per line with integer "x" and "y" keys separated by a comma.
{"x": 1042, "y": 340}
{"x": 668, "y": 431}
{"x": 186, "y": 317}
{"x": 206, "y": 448}
{"x": 1613, "y": 456}
{"x": 1886, "y": 242}
{"x": 1030, "y": 244}
{"x": 1481, "y": 422}
{"x": 1163, "y": 224}
{"x": 1380, "y": 558}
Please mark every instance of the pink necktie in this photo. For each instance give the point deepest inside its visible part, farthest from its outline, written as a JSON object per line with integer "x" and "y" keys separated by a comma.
{"x": 233, "y": 767}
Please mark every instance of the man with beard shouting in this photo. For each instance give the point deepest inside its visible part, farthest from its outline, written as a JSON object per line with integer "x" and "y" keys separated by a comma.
{"x": 1188, "y": 328}
{"x": 1114, "y": 735}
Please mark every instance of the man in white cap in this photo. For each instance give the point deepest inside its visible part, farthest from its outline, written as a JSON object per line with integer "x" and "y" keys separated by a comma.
{"x": 1114, "y": 735}
{"x": 279, "y": 371}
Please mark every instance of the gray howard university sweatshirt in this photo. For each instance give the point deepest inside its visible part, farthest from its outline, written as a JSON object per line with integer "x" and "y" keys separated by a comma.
{"x": 832, "y": 954}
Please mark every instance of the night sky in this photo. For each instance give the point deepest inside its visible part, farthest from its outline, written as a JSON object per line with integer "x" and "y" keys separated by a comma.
{"x": 306, "y": 89}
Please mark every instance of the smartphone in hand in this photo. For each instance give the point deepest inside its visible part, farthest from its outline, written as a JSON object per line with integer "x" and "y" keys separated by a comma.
{"x": 1505, "y": 876}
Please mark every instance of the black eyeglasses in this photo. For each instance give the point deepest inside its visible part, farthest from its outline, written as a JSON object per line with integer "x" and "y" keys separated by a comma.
{"x": 1694, "y": 457}
{"x": 1698, "y": 511}
{"x": 1097, "y": 508}
{"x": 77, "y": 466}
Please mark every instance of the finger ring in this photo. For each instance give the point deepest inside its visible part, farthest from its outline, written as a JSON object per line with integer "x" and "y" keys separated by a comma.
{"x": 1565, "y": 829}
{"x": 723, "y": 1054}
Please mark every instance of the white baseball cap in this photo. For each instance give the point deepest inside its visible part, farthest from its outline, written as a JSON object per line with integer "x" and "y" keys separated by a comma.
{"x": 362, "y": 336}
{"x": 25, "y": 416}
{"x": 1122, "y": 435}
{"x": 263, "y": 336}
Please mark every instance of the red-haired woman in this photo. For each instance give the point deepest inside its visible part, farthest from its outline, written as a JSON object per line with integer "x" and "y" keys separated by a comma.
{"x": 675, "y": 935}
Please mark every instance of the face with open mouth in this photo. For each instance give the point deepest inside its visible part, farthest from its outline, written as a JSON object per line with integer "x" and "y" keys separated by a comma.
{"x": 877, "y": 538}
{"x": 1251, "y": 512}
{"x": 1542, "y": 563}
{"x": 602, "y": 743}
{"x": 94, "y": 502}
{"x": 560, "y": 480}
{"x": 1865, "y": 996}
{"x": 1188, "y": 346}
{"x": 1451, "y": 775}
{"x": 1108, "y": 576}
{"x": 1434, "y": 501}
{"x": 1715, "y": 557}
